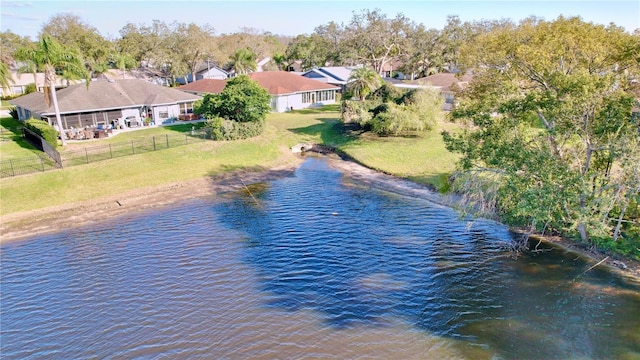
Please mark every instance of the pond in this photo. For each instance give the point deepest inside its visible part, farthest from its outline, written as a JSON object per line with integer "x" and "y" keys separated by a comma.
{"x": 317, "y": 265}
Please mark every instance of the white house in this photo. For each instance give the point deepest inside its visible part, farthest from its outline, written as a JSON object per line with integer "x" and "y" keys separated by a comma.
{"x": 288, "y": 91}
{"x": 335, "y": 75}
{"x": 108, "y": 102}
{"x": 205, "y": 71}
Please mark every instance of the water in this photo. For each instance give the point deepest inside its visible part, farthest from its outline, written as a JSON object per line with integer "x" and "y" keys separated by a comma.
{"x": 315, "y": 266}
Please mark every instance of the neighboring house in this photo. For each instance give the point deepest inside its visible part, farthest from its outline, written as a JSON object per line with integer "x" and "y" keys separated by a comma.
{"x": 393, "y": 69}
{"x": 204, "y": 71}
{"x": 288, "y": 91}
{"x": 119, "y": 103}
{"x": 21, "y": 81}
{"x": 295, "y": 66}
{"x": 263, "y": 64}
{"x": 447, "y": 83}
{"x": 335, "y": 75}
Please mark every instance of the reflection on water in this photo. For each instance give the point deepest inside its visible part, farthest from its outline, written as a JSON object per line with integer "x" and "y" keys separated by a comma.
{"x": 311, "y": 266}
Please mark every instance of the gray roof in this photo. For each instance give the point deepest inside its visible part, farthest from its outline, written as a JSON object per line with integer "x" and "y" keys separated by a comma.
{"x": 105, "y": 95}
{"x": 334, "y": 74}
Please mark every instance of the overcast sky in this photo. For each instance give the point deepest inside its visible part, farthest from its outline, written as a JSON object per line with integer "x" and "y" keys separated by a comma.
{"x": 299, "y": 17}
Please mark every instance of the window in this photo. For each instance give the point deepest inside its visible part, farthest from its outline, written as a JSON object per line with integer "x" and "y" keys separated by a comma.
{"x": 163, "y": 114}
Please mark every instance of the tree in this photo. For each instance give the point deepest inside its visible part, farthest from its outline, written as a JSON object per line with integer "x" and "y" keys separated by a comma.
{"x": 376, "y": 38}
{"x": 311, "y": 50}
{"x": 5, "y": 76}
{"x": 423, "y": 57}
{"x": 72, "y": 32}
{"x": 244, "y": 61}
{"x": 148, "y": 45}
{"x": 334, "y": 40}
{"x": 52, "y": 56}
{"x": 363, "y": 81}
{"x": 550, "y": 129}
{"x": 242, "y": 100}
{"x": 192, "y": 44}
{"x": 281, "y": 61}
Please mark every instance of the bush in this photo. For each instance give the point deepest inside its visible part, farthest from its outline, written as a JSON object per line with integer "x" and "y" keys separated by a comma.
{"x": 14, "y": 112}
{"x": 30, "y": 88}
{"x": 46, "y": 131}
{"x": 218, "y": 128}
{"x": 356, "y": 112}
{"x": 242, "y": 100}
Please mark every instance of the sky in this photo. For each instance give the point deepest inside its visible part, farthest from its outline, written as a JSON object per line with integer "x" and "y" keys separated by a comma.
{"x": 300, "y": 17}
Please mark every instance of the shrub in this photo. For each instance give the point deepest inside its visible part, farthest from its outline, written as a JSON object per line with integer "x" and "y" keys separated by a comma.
{"x": 356, "y": 112}
{"x": 14, "y": 112}
{"x": 218, "y": 128}
{"x": 30, "y": 88}
{"x": 242, "y": 100}
{"x": 46, "y": 131}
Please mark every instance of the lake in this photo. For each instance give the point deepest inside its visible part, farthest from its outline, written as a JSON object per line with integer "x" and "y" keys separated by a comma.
{"x": 318, "y": 265}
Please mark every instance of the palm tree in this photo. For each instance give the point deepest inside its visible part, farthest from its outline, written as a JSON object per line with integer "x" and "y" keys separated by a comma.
{"x": 5, "y": 76}
{"x": 50, "y": 56}
{"x": 363, "y": 81}
{"x": 280, "y": 61}
{"x": 244, "y": 61}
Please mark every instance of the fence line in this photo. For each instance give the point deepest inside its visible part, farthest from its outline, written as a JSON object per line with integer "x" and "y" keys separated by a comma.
{"x": 37, "y": 141}
{"x": 23, "y": 166}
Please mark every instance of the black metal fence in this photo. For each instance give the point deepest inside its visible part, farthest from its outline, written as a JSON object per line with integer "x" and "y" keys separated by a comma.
{"x": 22, "y": 166}
{"x": 28, "y": 165}
{"x": 132, "y": 147}
{"x": 42, "y": 144}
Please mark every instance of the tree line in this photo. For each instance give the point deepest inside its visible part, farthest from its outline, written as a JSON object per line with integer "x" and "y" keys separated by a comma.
{"x": 178, "y": 49}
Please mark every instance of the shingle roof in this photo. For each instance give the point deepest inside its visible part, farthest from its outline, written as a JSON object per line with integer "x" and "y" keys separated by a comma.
{"x": 445, "y": 81}
{"x": 332, "y": 74}
{"x": 282, "y": 82}
{"x": 213, "y": 86}
{"x": 275, "y": 82}
{"x": 103, "y": 95}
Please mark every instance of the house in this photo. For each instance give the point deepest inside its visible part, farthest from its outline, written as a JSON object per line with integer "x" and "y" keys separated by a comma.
{"x": 263, "y": 64}
{"x": 335, "y": 75}
{"x": 393, "y": 68}
{"x": 295, "y": 66}
{"x": 108, "y": 102}
{"x": 447, "y": 83}
{"x": 205, "y": 71}
{"x": 287, "y": 90}
{"x": 20, "y": 82}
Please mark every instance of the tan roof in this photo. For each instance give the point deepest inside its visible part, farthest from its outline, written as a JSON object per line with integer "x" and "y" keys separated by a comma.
{"x": 444, "y": 81}
{"x": 103, "y": 95}
{"x": 275, "y": 82}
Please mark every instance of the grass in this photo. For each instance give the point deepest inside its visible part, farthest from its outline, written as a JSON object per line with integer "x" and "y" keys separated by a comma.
{"x": 422, "y": 159}
{"x": 12, "y": 145}
{"x": 5, "y": 104}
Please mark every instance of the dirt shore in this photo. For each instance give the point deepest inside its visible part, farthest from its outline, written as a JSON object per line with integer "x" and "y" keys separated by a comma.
{"x": 18, "y": 226}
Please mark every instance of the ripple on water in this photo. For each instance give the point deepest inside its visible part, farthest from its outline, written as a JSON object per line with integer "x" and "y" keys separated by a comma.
{"x": 319, "y": 270}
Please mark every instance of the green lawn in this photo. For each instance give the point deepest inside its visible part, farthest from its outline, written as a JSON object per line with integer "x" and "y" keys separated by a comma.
{"x": 12, "y": 145}
{"x": 422, "y": 159}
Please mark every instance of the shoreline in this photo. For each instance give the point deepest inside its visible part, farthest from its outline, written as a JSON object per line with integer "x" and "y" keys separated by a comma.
{"x": 20, "y": 226}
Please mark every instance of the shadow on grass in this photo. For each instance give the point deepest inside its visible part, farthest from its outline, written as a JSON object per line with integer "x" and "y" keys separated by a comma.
{"x": 9, "y": 131}
{"x": 333, "y": 132}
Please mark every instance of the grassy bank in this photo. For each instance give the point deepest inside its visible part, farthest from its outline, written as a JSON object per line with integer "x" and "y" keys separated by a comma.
{"x": 422, "y": 159}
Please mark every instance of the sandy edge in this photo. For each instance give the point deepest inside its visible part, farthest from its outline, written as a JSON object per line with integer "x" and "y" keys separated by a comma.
{"x": 19, "y": 226}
